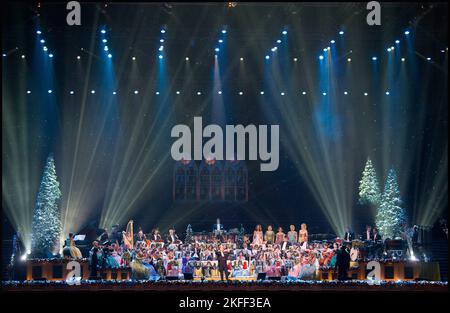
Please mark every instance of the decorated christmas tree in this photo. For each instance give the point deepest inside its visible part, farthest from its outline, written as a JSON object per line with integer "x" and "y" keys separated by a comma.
{"x": 189, "y": 234}
{"x": 46, "y": 227}
{"x": 369, "y": 189}
{"x": 391, "y": 216}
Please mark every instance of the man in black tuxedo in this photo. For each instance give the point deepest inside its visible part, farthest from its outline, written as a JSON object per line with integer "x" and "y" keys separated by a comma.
{"x": 172, "y": 237}
{"x": 376, "y": 235}
{"x": 349, "y": 235}
{"x": 343, "y": 262}
{"x": 93, "y": 260}
{"x": 116, "y": 235}
{"x": 222, "y": 258}
{"x": 285, "y": 244}
{"x": 368, "y": 233}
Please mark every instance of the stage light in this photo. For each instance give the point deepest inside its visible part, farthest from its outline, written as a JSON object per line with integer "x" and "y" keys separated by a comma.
{"x": 38, "y": 32}
{"x": 217, "y": 49}
{"x": 187, "y": 59}
{"x": 428, "y": 59}
{"x": 261, "y": 93}
{"x": 392, "y": 48}
{"x": 106, "y": 48}
{"x": 23, "y": 257}
{"x": 413, "y": 258}
{"x": 324, "y": 93}
{"x": 366, "y": 94}
{"x": 136, "y": 92}
{"x": 78, "y": 57}
{"x": 374, "y": 58}
{"x": 220, "y": 40}
{"x": 284, "y": 32}
{"x": 304, "y": 93}
{"x": 387, "y": 93}
{"x": 92, "y": 91}
{"x": 397, "y": 41}
{"x": 133, "y": 58}
{"x": 160, "y": 56}
{"x": 42, "y": 41}
{"x": 388, "y": 49}
{"x": 45, "y": 48}
{"x": 295, "y": 59}
{"x": 321, "y": 57}
{"x": 177, "y": 92}
{"x": 224, "y": 31}
{"x": 110, "y": 55}
{"x": 23, "y": 56}
{"x": 282, "y": 93}
{"x": 341, "y": 32}
{"x": 215, "y": 55}
{"x": 114, "y": 92}
{"x": 345, "y": 93}
{"x": 71, "y": 92}
{"x": 161, "y": 48}
{"x": 157, "y": 93}
{"x": 349, "y": 60}
{"x": 328, "y": 48}
{"x": 198, "y": 93}
{"x": 50, "y": 55}
{"x": 241, "y": 93}
{"x": 403, "y": 59}
{"x": 443, "y": 51}
{"x": 4, "y": 54}
{"x": 28, "y": 91}
{"x": 49, "y": 91}
{"x": 332, "y": 41}
{"x": 325, "y": 50}
{"x": 103, "y": 31}
{"x": 274, "y": 49}
{"x": 163, "y": 31}
{"x": 242, "y": 59}
{"x": 161, "y": 40}
{"x": 267, "y": 57}
{"x": 278, "y": 41}
{"x": 105, "y": 40}
{"x": 219, "y": 92}
{"x": 406, "y": 32}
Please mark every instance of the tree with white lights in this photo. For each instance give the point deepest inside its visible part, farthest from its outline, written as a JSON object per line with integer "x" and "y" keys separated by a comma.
{"x": 369, "y": 188}
{"x": 391, "y": 216}
{"x": 46, "y": 227}
{"x": 189, "y": 234}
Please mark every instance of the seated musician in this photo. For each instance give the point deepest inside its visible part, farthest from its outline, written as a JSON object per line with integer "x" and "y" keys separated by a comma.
{"x": 156, "y": 236}
{"x": 172, "y": 237}
{"x": 140, "y": 236}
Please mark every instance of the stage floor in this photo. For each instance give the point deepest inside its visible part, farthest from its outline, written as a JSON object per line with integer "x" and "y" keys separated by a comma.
{"x": 232, "y": 286}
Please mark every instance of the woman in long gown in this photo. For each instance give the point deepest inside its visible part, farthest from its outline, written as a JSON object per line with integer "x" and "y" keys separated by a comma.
{"x": 258, "y": 236}
{"x": 303, "y": 234}
{"x": 279, "y": 236}
{"x": 270, "y": 235}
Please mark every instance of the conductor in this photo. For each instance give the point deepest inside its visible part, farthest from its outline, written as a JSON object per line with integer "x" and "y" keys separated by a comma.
{"x": 222, "y": 258}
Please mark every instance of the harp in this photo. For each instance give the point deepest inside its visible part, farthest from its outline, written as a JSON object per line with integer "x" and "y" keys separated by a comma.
{"x": 128, "y": 236}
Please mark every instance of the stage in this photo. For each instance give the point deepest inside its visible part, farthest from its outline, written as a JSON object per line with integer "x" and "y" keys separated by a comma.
{"x": 231, "y": 286}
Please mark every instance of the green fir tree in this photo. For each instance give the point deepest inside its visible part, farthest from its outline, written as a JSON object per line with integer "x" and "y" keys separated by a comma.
{"x": 46, "y": 227}
{"x": 391, "y": 216}
{"x": 189, "y": 234}
{"x": 369, "y": 188}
